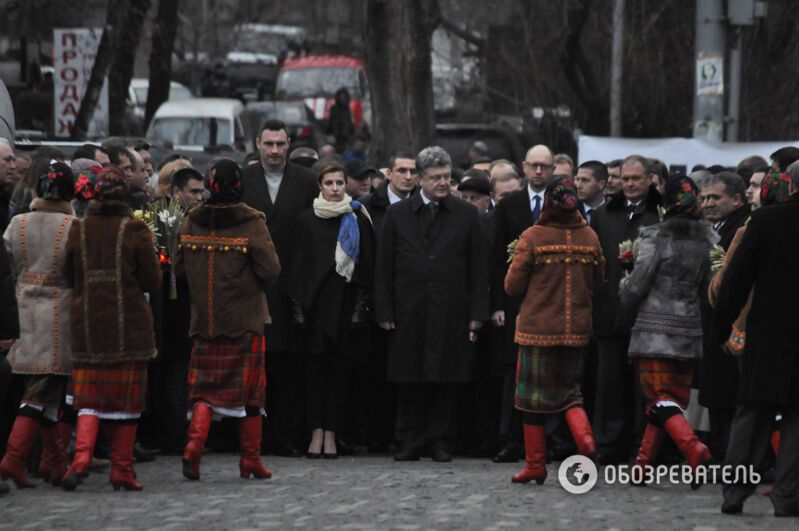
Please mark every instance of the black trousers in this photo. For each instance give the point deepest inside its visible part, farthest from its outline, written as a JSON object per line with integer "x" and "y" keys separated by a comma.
{"x": 510, "y": 420}
{"x": 615, "y": 402}
{"x": 426, "y": 414}
{"x": 327, "y": 380}
{"x": 720, "y": 426}
{"x": 285, "y": 398}
{"x": 749, "y": 445}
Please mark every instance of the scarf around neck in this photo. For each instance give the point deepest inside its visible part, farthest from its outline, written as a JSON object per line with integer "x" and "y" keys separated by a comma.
{"x": 348, "y": 241}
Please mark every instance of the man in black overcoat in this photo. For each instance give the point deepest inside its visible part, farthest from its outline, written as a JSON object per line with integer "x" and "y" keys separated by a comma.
{"x": 724, "y": 205}
{"x": 513, "y": 215}
{"x": 617, "y": 220}
{"x": 431, "y": 292}
{"x": 766, "y": 261}
{"x": 281, "y": 190}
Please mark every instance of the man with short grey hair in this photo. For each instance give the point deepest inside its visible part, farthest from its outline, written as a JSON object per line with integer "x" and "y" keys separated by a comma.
{"x": 431, "y": 295}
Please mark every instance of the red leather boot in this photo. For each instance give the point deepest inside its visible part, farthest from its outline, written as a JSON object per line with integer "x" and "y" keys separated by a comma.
{"x": 17, "y": 449}
{"x": 198, "y": 433}
{"x": 85, "y": 438}
{"x": 775, "y": 442}
{"x": 250, "y": 441}
{"x": 53, "y": 463}
{"x": 580, "y": 428}
{"x": 123, "y": 437}
{"x": 535, "y": 456}
{"x": 648, "y": 452}
{"x": 694, "y": 451}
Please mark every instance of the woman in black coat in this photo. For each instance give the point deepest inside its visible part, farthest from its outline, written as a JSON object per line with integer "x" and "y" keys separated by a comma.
{"x": 329, "y": 279}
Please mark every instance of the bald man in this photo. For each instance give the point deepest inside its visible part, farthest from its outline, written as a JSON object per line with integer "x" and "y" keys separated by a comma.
{"x": 514, "y": 214}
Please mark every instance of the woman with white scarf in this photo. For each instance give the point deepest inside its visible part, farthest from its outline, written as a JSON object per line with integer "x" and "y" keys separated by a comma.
{"x": 329, "y": 277}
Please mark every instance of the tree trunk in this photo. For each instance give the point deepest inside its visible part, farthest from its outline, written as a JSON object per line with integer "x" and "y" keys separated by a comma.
{"x": 399, "y": 67}
{"x": 105, "y": 54}
{"x": 166, "y": 28}
{"x": 122, "y": 64}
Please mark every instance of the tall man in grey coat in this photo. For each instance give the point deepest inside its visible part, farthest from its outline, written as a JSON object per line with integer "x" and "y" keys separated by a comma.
{"x": 431, "y": 293}
{"x": 281, "y": 190}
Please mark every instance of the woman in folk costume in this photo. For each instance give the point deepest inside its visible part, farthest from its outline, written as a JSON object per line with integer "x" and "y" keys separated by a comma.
{"x": 556, "y": 266}
{"x": 227, "y": 255}
{"x": 329, "y": 277}
{"x": 110, "y": 264}
{"x": 36, "y": 245}
{"x": 774, "y": 190}
{"x": 671, "y": 270}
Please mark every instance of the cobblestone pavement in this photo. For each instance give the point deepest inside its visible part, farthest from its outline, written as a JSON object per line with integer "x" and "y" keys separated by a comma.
{"x": 370, "y": 493}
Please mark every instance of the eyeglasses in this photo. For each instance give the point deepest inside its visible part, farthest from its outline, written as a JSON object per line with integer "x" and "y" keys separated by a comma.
{"x": 539, "y": 166}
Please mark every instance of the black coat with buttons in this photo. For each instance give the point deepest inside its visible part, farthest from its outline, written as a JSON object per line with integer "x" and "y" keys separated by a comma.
{"x": 431, "y": 286}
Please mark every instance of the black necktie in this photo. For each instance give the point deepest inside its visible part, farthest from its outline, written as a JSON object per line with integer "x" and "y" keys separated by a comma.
{"x": 536, "y": 208}
{"x": 631, "y": 210}
{"x": 428, "y": 216}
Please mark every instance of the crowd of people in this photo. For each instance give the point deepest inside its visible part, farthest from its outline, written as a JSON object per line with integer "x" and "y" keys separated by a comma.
{"x": 326, "y": 306}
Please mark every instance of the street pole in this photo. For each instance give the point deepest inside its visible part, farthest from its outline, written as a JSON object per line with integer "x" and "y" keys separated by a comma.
{"x": 734, "y": 103}
{"x": 709, "y": 87}
{"x": 617, "y": 69}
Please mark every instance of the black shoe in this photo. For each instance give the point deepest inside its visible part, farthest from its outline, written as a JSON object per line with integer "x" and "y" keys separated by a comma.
{"x": 313, "y": 455}
{"x": 330, "y": 456}
{"x": 4, "y": 488}
{"x": 441, "y": 456}
{"x": 407, "y": 454}
{"x": 142, "y": 455}
{"x": 732, "y": 508}
{"x": 286, "y": 450}
{"x": 507, "y": 455}
{"x": 786, "y": 511}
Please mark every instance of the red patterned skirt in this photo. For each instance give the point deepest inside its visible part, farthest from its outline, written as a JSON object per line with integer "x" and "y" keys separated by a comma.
{"x": 228, "y": 372}
{"x": 548, "y": 378}
{"x": 110, "y": 387}
{"x": 665, "y": 380}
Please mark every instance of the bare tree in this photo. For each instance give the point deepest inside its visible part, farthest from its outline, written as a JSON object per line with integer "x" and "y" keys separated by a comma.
{"x": 166, "y": 28}
{"x": 398, "y": 46}
{"x": 105, "y": 54}
{"x": 121, "y": 70}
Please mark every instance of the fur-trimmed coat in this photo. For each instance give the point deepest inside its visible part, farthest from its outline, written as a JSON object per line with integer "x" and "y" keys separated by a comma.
{"x": 557, "y": 264}
{"x": 671, "y": 274}
{"x": 228, "y": 256}
{"x": 36, "y": 242}
{"x": 110, "y": 264}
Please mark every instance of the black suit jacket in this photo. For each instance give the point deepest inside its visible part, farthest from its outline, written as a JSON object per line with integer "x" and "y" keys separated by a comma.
{"x": 297, "y": 191}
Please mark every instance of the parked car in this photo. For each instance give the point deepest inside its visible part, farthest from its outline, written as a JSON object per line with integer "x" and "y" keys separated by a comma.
{"x": 198, "y": 123}
{"x": 137, "y": 94}
{"x": 303, "y": 127}
{"x": 255, "y": 56}
{"x": 315, "y": 79}
{"x": 503, "y": 141}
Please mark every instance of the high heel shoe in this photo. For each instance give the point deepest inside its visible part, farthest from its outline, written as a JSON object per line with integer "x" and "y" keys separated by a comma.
{"x": 330, "y": 456}
{"x": 313, "y": 455}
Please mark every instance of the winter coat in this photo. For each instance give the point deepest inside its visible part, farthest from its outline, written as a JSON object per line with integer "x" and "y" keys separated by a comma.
{"x": 766, "y": 258}
{"x": 557, "y": 264}
{"x": 431, "y": 288}
{"x": 36, "y": 244}
{"x": 613, "y": 225}
{"x": 228, "y": 256}
{"x": 297, "y": 191}
{"x": 327, "y": 302}
{"x": 671, "y": 274}
{"x": 110, "y": 264}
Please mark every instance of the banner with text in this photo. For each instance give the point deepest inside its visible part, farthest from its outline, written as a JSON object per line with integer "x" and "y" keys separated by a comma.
{"x": 74, "y": 50}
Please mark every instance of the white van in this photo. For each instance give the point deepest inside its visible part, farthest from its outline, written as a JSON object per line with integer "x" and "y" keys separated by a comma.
{"x": 189, "y": 124}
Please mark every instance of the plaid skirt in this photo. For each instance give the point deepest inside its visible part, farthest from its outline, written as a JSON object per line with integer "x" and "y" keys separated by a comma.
{"x": 665, "y": 380}
{"x": 46, "y": 390}
{"x": 228, "y": 372}
{"x": 548, "y": 378}
{"x": 110, "y": 387}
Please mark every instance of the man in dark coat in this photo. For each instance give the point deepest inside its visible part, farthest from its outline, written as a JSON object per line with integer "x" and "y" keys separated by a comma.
{"x": 614, "y": 222}
{"x": 281, "y": 190}
{"x": 379, "y": 401}
{"x": 9, "y": 330}
{"x": 401, "y": 181}
{"x": 513, "y": 215}
{"x": 431, "y": 291}
{"x": 765, "y": 260}
{"x": 724, "y": 205}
